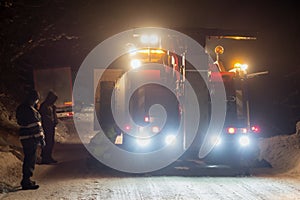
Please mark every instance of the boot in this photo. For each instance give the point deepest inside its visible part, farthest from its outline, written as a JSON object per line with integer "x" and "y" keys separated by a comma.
{"x": 32, "y": 182}
{"x": 28, "y": 184}
{"x": 48, "y": 161}
{"x": 53, "y": 161}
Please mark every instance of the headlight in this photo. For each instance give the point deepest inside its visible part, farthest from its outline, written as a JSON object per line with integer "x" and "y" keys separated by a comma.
{"x": 170, "y": 139}
{"x": 244, "y": 141}
{"x": 143, "y": 142}
{"x": 135, "y": 63}
{"x": 149, "y": 39}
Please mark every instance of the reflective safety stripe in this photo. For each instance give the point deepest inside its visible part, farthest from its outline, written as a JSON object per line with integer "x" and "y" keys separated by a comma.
{"x": 32, "y": 125}
{"x": 32, "y": 136}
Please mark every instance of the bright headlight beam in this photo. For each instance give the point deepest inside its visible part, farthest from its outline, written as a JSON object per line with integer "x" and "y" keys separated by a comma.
{"x": 135, "y": 63}
{"x": 144, "y": 39}
{"x": 149, "y": 39}
{"x": 244, "y": 66}
{"x": 153, "y": 39}
{"x": 244, "y": 141}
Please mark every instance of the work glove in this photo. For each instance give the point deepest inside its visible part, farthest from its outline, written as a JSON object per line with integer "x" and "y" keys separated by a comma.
{"x": 41, "y": 140}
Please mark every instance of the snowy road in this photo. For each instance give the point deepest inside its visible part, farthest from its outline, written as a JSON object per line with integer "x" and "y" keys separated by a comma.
{"x": 74, "y": 178}
{"x": 165, "y": 188}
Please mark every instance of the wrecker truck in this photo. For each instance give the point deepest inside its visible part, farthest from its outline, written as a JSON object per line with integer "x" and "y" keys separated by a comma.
{"x": 237, "y": 142}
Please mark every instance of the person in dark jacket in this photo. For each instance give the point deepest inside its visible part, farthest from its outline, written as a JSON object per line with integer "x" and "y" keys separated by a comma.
{"x": 31, "y": 135}
{"x": 49, "y": 122}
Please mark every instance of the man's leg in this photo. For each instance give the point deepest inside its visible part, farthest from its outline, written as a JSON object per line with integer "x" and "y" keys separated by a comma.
{"x": 29, "y": 149}
{"x": 47, "y": 150}
{"x": 52, "y": 145}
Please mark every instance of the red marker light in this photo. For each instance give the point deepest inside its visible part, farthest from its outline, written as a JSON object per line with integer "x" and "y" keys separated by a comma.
{"x": 127, "y": 128}
{"x": 255, "y": 129}
{"x": 70, "y": 114}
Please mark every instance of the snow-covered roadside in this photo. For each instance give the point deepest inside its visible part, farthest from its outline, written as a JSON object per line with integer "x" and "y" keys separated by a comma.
{"x": 10, "y": 146}
{"x": 10, "y": 172}
{"x": 283, "y": 153}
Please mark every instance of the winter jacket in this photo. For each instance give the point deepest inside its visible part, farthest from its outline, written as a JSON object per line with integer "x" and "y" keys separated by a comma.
{"x": 48, "y": 112}
{"x": 29, "y": 120}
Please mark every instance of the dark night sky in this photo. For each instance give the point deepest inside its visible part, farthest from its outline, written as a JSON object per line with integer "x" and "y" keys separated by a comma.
{"x": 276, "y": 48}
{"x": 277, "y": 24}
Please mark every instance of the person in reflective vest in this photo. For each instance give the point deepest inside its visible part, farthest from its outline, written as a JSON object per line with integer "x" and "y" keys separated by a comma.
{"x": 31, "y": 135}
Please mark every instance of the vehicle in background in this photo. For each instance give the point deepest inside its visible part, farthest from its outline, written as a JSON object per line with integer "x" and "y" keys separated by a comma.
{"x": 59, "y": 80}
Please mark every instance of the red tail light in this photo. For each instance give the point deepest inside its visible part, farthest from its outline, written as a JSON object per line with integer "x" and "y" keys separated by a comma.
{"x": 255, "y": 129}
{"x": 70, "y": 114}
{"x": 147, "y": 119}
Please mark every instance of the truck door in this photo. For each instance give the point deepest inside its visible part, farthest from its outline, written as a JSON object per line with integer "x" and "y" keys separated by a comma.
{"x": 105, "y": 115}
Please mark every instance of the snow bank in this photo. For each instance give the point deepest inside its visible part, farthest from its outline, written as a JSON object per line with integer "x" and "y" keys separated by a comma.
{"x": 282, "y": 152}
{"x": 11, "y": 168}
{"x": 62, "y": 132}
